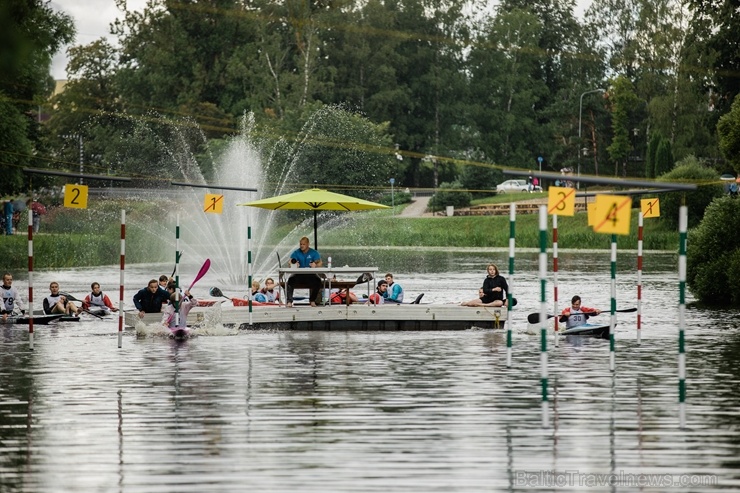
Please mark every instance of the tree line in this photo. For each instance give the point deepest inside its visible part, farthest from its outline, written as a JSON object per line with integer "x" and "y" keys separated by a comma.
{"x": 434, "y": 91}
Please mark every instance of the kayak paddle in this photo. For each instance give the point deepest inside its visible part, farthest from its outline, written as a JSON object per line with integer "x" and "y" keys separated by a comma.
{"x": 201, "y": 272}
{"x": 534, "y": 318}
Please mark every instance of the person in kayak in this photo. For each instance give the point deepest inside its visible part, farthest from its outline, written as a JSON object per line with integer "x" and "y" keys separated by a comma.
{"x": 58, "y": 303}
{"x": 577, "y": 314}
{"x": 178, "y": 305}
{"x": 98, "y": 300}
{"x": 11, "y": 298}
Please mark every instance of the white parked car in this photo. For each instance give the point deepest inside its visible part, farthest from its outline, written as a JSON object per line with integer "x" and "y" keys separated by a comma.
{"x": 515, "y": 186}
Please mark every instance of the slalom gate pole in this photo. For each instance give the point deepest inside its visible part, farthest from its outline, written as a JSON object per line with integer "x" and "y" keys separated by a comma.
{"x": 510, "y": 303}
{"x": 30, "y": 275}
{"x": 682, "y": 230}
{"x": 177, "y": 270}
{"x": 613, "y": 316}
{"x": 120, "y": 288}
{"x": 249, "y": 264}
{"x": 543, "y": 315}
{"x": 639, "y": 277}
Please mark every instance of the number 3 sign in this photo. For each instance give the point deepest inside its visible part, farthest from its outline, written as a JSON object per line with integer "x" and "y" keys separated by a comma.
{"x": 75, "y": 196}
{"x": 612, "y": 214}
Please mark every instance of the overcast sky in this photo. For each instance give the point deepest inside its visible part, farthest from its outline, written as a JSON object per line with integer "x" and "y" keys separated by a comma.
{"x": 93, "y": 17}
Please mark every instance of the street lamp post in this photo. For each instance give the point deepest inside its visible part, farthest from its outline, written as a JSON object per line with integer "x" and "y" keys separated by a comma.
{"x": 580, "y": 113}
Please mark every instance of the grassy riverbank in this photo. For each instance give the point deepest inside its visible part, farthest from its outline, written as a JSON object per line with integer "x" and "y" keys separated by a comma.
{"x": 382, "y": 229}
{"x": 79, "y": 238}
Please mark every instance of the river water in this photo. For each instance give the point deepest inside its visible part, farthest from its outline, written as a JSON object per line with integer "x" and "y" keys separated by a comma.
{"x": 379, "y": 411}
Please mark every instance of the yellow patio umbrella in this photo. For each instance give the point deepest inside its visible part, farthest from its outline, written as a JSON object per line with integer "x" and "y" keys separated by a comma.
{"x": 316, "y": 200}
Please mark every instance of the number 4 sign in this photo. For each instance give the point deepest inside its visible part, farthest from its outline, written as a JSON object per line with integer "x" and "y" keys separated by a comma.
{"x": 613, "y": 214}
{"x": 75, "y": 196}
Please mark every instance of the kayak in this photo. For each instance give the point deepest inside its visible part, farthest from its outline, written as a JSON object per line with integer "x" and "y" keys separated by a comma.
{"x": 590, "y": 330}
{"x": 243, "y": 302}
{"x": 37, "y": 319}
{"x": 180, "y": 333}
{"x": 208, "y": 302}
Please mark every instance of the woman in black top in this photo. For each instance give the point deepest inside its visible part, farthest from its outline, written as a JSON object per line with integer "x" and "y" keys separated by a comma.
{"x": 494, "y": 290}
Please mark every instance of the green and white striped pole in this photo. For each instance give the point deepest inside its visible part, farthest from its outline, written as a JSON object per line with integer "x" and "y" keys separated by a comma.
{"x": 543, "y": 314}
{"x": 613, "y": 316}
{"x": 682, "y": 228}
{"x": 177, "y": 271}
{"x": 510, "y": 303}
{"x": 249, "y": 264}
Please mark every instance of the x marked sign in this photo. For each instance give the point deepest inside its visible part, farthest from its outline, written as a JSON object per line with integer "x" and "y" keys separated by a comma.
{"x": 561, "y": 201}
{"x": 613, "y": 214}
{"x": 214, "y": 203}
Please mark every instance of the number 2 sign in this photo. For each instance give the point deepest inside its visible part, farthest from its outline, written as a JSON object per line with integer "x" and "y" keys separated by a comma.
{"x": 75, "y": 196}
{"x": 612, "y": 214}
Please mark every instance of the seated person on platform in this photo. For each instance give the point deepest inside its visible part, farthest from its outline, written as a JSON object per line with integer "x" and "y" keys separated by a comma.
{"x": 306, "y": 258}
{"x": 58, "y": 303}
{"x": 150, "y": 298}
{"x": 494, "y": 289}
{"x": 271, "y": 294}
{"x": 576, "y": 314}
{"x": 257, "y": 293}
{"x": 339, "y": 296}
{"x": 98, "y": 300}
{"x": 378, "y": 297}
{"x": 394, "y": 292}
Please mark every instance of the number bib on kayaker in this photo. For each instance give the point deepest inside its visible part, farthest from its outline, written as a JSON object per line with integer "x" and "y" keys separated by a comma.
{"x": 575, "y": 319}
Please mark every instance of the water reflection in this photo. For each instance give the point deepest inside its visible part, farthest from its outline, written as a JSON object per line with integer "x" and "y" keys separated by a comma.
{"x": 381, "y": 411}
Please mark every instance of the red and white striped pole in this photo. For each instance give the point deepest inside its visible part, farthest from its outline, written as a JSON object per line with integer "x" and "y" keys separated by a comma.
{"x": 123, "y": 265}
{"x": 639, "y": 277}
{"x": 555, "y": 274}
{"x": 30, "y": 276}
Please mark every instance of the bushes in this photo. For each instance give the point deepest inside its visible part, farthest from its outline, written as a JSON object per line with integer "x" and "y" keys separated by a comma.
{"x": 689, "y": 170}
{"x": 450, "y": 194}
{"x": 713, "y": 257}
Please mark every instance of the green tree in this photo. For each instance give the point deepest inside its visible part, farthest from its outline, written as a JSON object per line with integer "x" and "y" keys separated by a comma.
{"x": 689, "y": 170}
{"x": 664, "y": 161}
{"x": 31, "y": 32}
{"x": 728, "y": 130}
{"x": 713, "y": 261}
{"x": 652, "y": 151}
{"x": 623, "y": 100}
{"x": 504, "y": 94}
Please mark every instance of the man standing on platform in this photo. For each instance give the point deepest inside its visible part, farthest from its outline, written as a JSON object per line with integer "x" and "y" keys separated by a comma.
{"x": 304, "y": 257}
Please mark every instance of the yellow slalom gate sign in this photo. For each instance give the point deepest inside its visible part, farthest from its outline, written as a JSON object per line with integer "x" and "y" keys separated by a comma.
{"x": 75, "y": 196}
{"x": 561, "y": 201}
{"x": 612, "y": 215}
{"x": 650, "y": 207}
{"x": 214, "y": 203}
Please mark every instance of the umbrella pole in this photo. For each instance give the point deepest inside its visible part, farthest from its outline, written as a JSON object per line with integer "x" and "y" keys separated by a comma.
{"x": 315, "y": 241}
